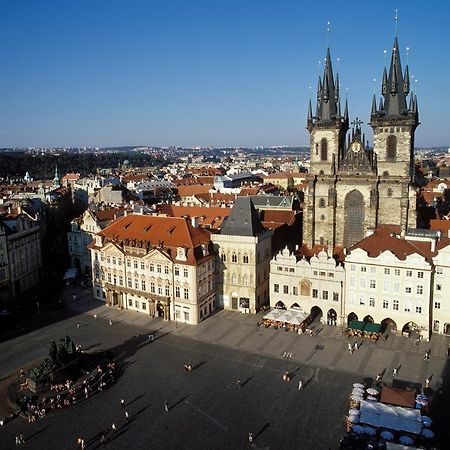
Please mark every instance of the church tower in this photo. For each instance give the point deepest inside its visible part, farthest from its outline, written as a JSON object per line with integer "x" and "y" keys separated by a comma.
{"x": 394, "y": 122}
{"x": 327, "y": 129}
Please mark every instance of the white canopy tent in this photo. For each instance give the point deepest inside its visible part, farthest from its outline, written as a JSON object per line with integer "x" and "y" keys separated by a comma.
{"x": 391, "y": 417}
{"x": 294, "y": 316}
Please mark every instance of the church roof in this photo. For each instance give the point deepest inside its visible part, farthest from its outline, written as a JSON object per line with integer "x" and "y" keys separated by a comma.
{"x": 243, "y": 220}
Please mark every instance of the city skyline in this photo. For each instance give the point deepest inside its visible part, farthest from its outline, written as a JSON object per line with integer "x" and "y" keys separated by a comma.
{"x": 206, "y": 74}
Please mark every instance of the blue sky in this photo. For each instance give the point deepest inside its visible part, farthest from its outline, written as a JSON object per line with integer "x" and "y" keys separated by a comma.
{"x": 178, "y": 72}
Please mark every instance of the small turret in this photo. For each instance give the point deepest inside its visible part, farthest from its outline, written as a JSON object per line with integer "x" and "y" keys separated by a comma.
{"x": 374, "y": 105}
{"x": 384, "y": 83}
{"x": 406, "y": 81}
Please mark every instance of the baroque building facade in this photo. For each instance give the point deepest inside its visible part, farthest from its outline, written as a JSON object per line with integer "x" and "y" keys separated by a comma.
{"x": 352, "y": 189}
{"x": 161, "y": 266}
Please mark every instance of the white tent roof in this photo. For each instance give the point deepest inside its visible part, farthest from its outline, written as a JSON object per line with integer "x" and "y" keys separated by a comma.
{"x": 392, "y": 417}
{"x": 294, "y": 316}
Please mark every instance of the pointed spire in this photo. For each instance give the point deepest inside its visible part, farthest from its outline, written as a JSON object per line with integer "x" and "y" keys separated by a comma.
{"x": 310, "y": 110}
{"x": 374, "y": 105}
{"x": 381, "y": 105}
{"x": 319, "y": 89}
{"x": 336, "y": 89}
{"x": 384, "y": 83}
{"x": 346, "y": 111}
{"x": 406, "y": 81}
{"x": 338, "y": 108}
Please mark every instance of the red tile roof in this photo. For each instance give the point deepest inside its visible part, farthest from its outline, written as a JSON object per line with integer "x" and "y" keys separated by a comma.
{"x": 207, "y": 216}
{"x": 189, "y": 191}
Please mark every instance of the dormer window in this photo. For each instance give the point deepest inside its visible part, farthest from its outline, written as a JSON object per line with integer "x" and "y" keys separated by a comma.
{"x": 98, "y": 241}
{"x": 205, "y": 250}
{"x": 181, "y": 253}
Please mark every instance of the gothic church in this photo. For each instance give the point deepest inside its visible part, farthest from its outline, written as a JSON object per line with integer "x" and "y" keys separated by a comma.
{"x": 352, "y": 189}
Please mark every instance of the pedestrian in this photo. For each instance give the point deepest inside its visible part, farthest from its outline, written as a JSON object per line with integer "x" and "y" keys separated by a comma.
{"x": 82, "y": 446}
{"x": 126, "y": 416}
{"x": 300, "y": 385}
{"x": 95, "y": 316}
{"x": 238, "y": 383}
{"x": 151, "y": 338}
{"x": 74, "y": 298}
{"x": 103, "y": 440}
{"x": 250, "y": 437}
{"x": 113, "y": 427}
{"x": 22, "y": 372}
{"x": 427, "y": 383}
{"x": 17, "y": 440}
{"x": 427, "y": 355}
{"x": 122, "y": 403}
{"x": 166, "y": 406}
{"x": 395, "y": 372}
{"x": 21, "y": 439}
{"x": 350, "y": 348}
{"x": 110, "y": 323}
{"x": 78, "y": 324}
{"x": 355, "y": 346}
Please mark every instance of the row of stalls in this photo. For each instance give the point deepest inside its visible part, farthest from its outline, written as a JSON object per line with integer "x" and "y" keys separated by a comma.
{"x": 366, "y": 330}
{"x": 293, "y": 319}
{"x": 386, "y": 418}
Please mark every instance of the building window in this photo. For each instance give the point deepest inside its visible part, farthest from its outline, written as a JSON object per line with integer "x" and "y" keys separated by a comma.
{"x": 396, "y": 287}
{"x": 234, "y": 258}
{"x": 387, "y": 271}
{"x": 439, "y": 271}
{"x": 136, "y": 284}
{"x": 130, "y": 283}
{"x": 305, "y": 288}
{"x": 436, "y": 326}
{"x": 325, "y": 295}
{"x": 186, "y": 293}
{"x": 391, "y": 147}
{"x": 395, "y": 304}
{"x": 279, "y": 268}
{"x": 372, "y": 302}
{"x": 135, "y": 264}
{"x": 409, "y": 273}
{"x": 373, "y": 269}
{"x": 419, "y": 309}
{"x": 373, "y": 284}
{"x": 285, "y": 289}
{"x": 142, "y": 265}
{"x": 185, "y": 272}
{"x": 143, "y": 285}
{"x": 386, "y": 285}
{"x": 291, "y": 270}
{"x": 114, "y": 261}
{"x": 438, "y": 287}
{"x": 276, "y": 288}
{"x": 397, "y": 272}
{"x": 109, "y": 278}
{"x": 166, "y": 290}
{"x": 324, "y": 150}
{"x": 115, "y": 279}
{"x": 419, "y": 290}
{"x": 177, "y": 291}
{"x": 389, "y": 191}
{"x": 315, "y": 293}
{"x": 166, "y": 269}
{"x": 130, "y": 302}
{"x": 223, "y": 257}
{"x": 120, "y": 280}
{"x": 330, "y": 275}
{"x": 294, "y": 290}
{"x": 152, "y": 287}
{"x": 136, "y": 304}
{"x": 108, "y": 259}
{"x": 322, "y": 203}
{"x": 385, "y": 303}
{"x": 419, "y": 274}
{"x": 158, "y": 268}
{"x": 363, "y": 269}
{"x": 245, "y": 259}
{"x": 408, "y": 289}
{"x": 186, "y": 316}
{"x": 144, "y": 305}
{"x": 352, "y": 267}
{"x": 335, "y": 296}
{"x": 437, "y": 305}
{"x": 151, "y": 267}
{"x": 176, "y": 270}
{"x": 407, "y": 306}
{"x": 245, "y": 280}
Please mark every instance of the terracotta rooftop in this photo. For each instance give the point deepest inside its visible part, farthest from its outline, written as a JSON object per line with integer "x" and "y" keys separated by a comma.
{"x": 438, "y": 224}
{"x": 207, "y": 216}
{"x": 305, "y": 251}
{"x": 189, "y": 191}
{"x": 108, "y": 214}
{"x": 157, "y": 231}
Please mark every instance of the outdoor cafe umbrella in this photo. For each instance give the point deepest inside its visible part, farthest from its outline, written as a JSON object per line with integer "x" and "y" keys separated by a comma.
{"x": 406, "y": 440}
{"x": 358, "y": 391}
{"x": 358, "y": 385}
{"x": 427, "y": 433}
{"x": 371, "y": 399}
{"x": 426, "y": 421}
{"x": 353, "y": 419}
{"x": 372, "y": 391}
{"x": 358, "y": 429}
{"x": 356, "y": 398}
{"x": 354, "y": 412}
{"x": 387, "y": 435}
{"x": 370, "y": 431}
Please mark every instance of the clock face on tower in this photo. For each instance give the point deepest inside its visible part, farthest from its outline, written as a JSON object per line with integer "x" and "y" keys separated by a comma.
{"x": 356, "y": 147}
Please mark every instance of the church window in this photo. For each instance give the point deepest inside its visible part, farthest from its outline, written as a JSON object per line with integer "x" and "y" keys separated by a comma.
{"x": 389, "y": 192}
{"x": 245, "y": 259}
{"x": 353, "y": 218}
{"x": 391, "y": 147}
{"x": 234, "y": 258}
{"x": 317, "y": 149}
{"x": 322, "y": 240}
{"x": 322, "y": 217}
{"x": 322, "y": 203}
{"x": 324, "y": 150}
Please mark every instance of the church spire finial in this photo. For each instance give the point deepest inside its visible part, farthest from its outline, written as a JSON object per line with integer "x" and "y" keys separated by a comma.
{"x": 396, "y": 22}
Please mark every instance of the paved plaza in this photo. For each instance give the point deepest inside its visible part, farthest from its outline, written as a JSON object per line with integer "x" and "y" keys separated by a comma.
{"x": 207, "y": 408}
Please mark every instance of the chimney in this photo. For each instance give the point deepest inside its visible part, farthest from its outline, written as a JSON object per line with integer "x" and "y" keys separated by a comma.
{"x": 433, "y": 245}
{"x": 194, "y": 222}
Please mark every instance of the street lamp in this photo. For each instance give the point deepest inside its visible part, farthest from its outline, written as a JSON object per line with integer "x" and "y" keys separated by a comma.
{"x": 287, "y": 356}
